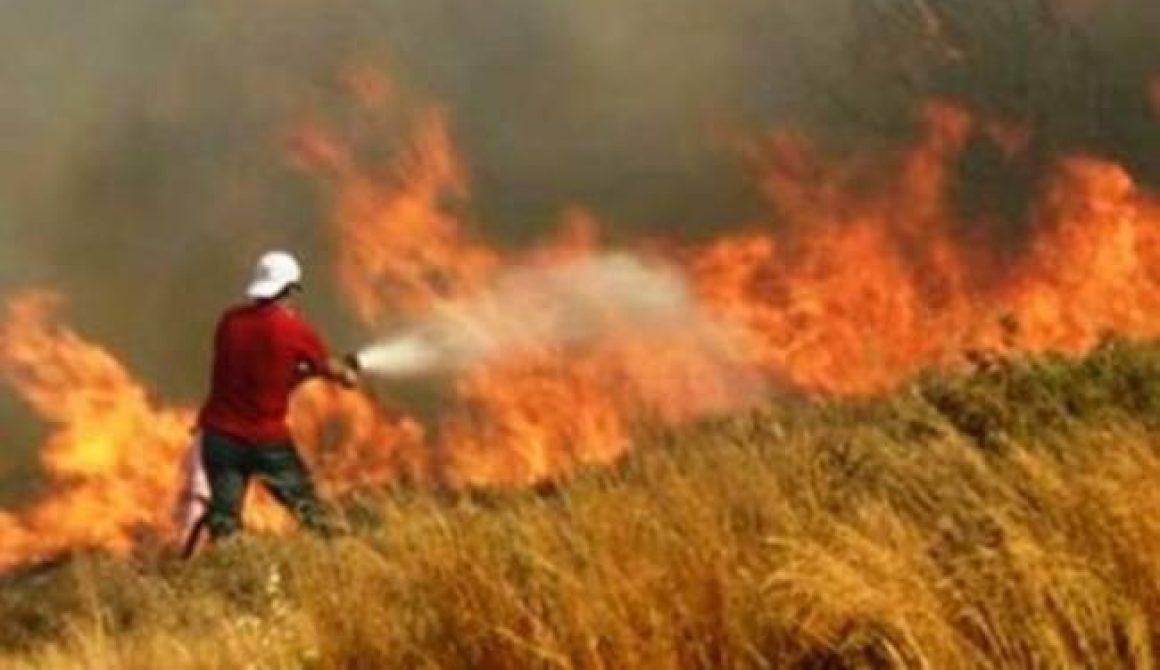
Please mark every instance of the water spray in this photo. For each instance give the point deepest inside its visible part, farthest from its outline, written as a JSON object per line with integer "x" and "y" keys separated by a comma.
{"x": 536, "y": 308}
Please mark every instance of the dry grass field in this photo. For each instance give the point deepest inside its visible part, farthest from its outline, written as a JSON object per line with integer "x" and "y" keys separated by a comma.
{"x": 1009, "y": 518}
{"x": 918, "y": 180}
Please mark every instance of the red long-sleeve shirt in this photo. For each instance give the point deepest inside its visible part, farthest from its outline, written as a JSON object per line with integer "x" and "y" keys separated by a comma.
{"x": 260, "y": 350}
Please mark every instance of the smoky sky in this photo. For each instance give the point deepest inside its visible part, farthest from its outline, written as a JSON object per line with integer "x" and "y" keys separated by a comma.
{"x": 144, "y": 164}
{"x": 142, "y": 142}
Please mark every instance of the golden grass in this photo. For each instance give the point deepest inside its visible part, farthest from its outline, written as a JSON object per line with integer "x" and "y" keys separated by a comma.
{"x": 1010, "y": 519}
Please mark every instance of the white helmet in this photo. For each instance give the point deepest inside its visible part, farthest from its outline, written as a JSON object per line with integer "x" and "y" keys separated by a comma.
{"x": 275, "y": 271}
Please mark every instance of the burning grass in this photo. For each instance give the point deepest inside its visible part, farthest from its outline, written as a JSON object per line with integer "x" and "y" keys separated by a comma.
{"x": 861, "y": 271}
{"x": 1001, "y": 519}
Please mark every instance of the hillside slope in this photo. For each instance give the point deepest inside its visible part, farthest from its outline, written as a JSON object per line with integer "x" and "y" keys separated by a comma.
{"x": 1008, "y": 518}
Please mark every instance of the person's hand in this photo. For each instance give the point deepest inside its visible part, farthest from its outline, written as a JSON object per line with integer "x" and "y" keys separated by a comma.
{"x": 342, "y": 372}
{"x": 348, "y": 377}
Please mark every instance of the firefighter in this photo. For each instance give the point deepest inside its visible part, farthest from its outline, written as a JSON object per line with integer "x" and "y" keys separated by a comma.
{"x": 262, "y": 350}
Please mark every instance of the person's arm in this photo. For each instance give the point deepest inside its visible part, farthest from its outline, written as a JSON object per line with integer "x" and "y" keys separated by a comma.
{"x": 341, "y": 371}
{"x": 317, "y": 362}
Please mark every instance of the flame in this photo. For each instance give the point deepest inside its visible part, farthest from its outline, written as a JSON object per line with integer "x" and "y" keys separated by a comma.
{"x": 862, "y": 273}
{"x": 1092, "y": 269}
{"x": 862, "y": 289}
{"x": 400, "y": 244}
{"x": 866, "y": 288}
{"x": 352, "y": 441}
{"x": 544, "y": 414}
{"x": 863, "y": 276}
{"x": 405, "y": 246}
{"x": 110, "y": 460}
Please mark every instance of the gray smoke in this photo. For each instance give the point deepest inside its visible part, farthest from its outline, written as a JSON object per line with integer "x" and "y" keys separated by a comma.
{"x": 143, "y": 163}
{"x": 143, "y": 158}
{"x": 143, "y": 166}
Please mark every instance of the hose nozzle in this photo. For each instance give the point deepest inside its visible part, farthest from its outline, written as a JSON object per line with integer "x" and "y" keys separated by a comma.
{"x": 351, "y": 360}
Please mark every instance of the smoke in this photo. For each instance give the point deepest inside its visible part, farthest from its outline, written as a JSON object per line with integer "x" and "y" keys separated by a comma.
{"x": 589, "y": 300}
{"x": 143, "y": 166}
{"x": 143, "y": 163}
{"x": 144, "y": 151}
{"x": 143, "y": 146}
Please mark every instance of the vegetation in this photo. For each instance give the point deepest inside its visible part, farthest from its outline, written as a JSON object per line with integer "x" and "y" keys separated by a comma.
{"x": 1006, "y": 518}
{"x": 1074, "y": 72}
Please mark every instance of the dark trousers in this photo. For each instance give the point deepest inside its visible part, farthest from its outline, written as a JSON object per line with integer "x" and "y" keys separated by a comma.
{"x": 229, "y": 466}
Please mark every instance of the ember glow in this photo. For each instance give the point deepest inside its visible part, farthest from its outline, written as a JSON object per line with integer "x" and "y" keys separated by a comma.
{"x": 861, "y": 275}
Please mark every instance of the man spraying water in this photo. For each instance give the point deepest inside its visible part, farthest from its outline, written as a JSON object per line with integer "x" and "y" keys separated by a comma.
{"x": 581, "y": 303}
{"x": 262, "y": 350}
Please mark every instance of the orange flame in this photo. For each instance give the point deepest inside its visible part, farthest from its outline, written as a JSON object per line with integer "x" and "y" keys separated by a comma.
{"x": 351, "y": 441}
{"x": 863, "y": 274}
{"x": 403, "y": 245}
{"x": 861, "y": 289}
{"x": 111, "y": 460}
{"x": 866, "y": 288}
{"x": 1092, "y": 269}
{"x": 430, "y": 257}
